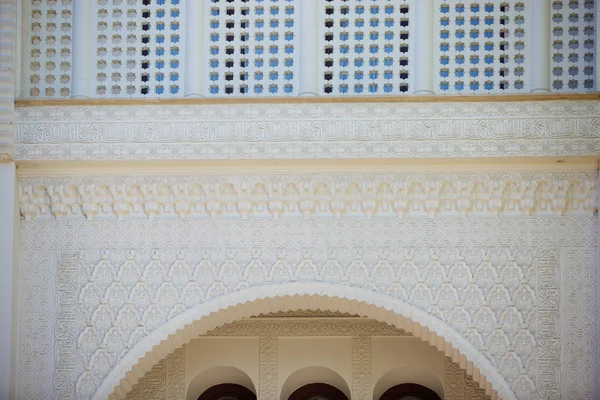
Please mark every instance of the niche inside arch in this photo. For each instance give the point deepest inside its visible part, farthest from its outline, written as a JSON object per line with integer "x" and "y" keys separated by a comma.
{"x": 313, "y": 375}
{"x": 408, "y": 375}
{"x": 213, "y": 377}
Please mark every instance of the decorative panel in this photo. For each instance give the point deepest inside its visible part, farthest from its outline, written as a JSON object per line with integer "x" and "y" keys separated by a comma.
{"x": 47, "y": 48}
{"x": 365, "y": 47}
{"x": 574, "y": 47}
{"x": 253, "y": 47}
{"x": 139, "y": 47}
{"x": 480, "y": 46}
{"x": 518, "y": 285}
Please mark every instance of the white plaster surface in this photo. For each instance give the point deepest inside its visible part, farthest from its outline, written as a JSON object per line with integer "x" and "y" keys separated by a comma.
{"x": 220, "y": 360}
{"x": 8, "y": 235}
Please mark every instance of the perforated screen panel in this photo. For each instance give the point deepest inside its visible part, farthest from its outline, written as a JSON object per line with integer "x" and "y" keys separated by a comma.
{"x": 47, "y": 48}
{"x": 366, "y": 47}
{"x": 574, "y": 47}
{"x": 252, "y": 47}
{"x": 139, "y": 48}
{"x": 480, "y": 46}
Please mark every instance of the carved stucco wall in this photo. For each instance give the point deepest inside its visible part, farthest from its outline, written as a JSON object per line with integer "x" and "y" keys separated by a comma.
{"x": 505, "y": 260}
{"x": 166, "y": 379}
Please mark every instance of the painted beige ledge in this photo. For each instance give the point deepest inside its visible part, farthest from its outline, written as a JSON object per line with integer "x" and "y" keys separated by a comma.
{"x": 303, "y": 129}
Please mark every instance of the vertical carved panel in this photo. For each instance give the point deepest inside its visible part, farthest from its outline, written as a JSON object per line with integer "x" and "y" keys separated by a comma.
{"x": 36, "y": 335}
{"x": 66, "y": 326}
{"x": 268, "y": 353}
{"x": 578, "y": 308}
{"x": 361, "y": 367}
{"x": 175, "y": 375}
{"x": 548, "y": 326}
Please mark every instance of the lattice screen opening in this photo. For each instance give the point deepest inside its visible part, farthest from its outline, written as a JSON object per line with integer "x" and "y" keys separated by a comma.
{"x": 139, "y": 48}
{"x": 574, "y": 47}
{"x": 480, "y": 46}
{"x": 253, "y": 47}
{"x": 365, "y": 47}
{"x": 47, "y": 49}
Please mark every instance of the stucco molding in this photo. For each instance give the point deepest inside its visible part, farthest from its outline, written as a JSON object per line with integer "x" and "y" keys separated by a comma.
{"x": 292, "y": 131}
{"x": 298, "y": 196}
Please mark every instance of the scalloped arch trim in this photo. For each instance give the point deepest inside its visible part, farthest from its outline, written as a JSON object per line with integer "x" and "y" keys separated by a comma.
{"x": 284, "y": 297}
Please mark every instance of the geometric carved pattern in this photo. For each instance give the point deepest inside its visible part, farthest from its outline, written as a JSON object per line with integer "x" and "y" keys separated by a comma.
{"x": 312, "y": 196}
{"x": 291, "y": 131}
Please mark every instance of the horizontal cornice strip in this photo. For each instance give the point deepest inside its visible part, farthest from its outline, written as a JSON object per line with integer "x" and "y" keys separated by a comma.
{"x": 315, "y": 100}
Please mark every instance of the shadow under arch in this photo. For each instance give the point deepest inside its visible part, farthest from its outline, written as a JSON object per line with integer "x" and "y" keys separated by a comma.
{"x": 407, "y": 374}
{"x": 293, "y": 296}
{"x": 315, "y": 374}
{"x": 214, "y": 376}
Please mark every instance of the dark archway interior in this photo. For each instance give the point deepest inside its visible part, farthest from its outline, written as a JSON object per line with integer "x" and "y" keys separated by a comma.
{"x": 320, "y": 391}
{"x": 227, "y": 391}
{"x": 409, "y": 390}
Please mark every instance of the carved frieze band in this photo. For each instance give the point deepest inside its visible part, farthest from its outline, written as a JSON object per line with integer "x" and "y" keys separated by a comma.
{"x": 290, "y": 131}
{"x": 310, "y": 196}
{"x": 308, "y": 326}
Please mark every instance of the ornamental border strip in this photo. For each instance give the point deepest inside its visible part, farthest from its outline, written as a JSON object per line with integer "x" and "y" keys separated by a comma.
{"x": 295, "y": 131}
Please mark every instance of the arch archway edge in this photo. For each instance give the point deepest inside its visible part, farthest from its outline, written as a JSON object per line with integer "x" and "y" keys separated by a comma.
{"x": 284, "y": 297}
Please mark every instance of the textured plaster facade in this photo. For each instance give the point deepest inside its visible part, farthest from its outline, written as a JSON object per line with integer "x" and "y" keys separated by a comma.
{"x": 135, "y": 228}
